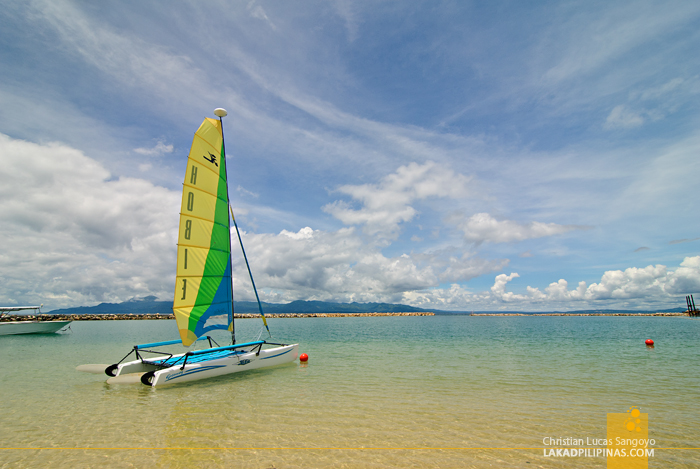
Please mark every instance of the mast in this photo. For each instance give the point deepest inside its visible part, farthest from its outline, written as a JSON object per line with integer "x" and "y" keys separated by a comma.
{"x": 221, "y": 113}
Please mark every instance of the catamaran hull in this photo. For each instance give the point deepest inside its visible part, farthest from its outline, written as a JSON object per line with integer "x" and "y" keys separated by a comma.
{"x": 236, "y": 362}
{"x": 32, "y": 327}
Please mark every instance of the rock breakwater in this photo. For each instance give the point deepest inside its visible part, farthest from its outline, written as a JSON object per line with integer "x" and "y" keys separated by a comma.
{"x": 579, "y": 314}
{"x": 121, "y": 317}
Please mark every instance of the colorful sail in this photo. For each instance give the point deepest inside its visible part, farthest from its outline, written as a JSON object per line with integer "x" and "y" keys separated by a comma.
{"x": 203, "y": 288}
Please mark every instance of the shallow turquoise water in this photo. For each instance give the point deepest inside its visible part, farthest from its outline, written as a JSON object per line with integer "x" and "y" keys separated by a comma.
{"x": 436, "y": 391}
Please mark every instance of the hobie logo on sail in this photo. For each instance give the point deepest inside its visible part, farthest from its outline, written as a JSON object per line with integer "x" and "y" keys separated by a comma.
{"x": 212, "y": 160}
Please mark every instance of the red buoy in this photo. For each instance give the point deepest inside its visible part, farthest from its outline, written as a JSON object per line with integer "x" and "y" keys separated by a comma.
{"x": 649, "y": 342}
{"x": 303, "y": 357}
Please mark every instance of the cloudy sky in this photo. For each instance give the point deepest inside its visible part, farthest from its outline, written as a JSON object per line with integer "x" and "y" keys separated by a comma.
{"x": 445, "y": 154}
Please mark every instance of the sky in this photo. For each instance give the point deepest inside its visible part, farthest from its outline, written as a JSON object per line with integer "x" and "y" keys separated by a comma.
{"x": 452, "y": 155}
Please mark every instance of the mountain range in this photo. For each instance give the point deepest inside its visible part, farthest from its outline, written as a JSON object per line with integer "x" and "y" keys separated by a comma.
{"x": 151, "y": 305}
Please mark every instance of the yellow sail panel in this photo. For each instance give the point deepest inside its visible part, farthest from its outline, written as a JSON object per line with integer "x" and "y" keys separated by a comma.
{"x": 198, "y": 204}
{"x": 205, "y": 153}
{"x": 195, "y": 232}
{"x": 182, "y": 316}
{"x": 202, "y": 176}
{"x": 186, "y": 291}
{"x": 210, "y": 131}
{"x": 191, "y": 261}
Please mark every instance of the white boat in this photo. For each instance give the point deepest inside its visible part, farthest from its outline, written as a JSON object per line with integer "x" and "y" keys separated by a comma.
{"x": 33, "y": 326}
{"x": 203, "y": 287}
{"x": 199, "y": 364}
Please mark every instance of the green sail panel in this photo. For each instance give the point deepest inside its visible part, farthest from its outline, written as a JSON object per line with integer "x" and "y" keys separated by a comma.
{"x": 203, "y": 288}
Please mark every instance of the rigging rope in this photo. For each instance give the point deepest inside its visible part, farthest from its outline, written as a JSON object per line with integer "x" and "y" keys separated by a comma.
{"x": 262, "y": 315}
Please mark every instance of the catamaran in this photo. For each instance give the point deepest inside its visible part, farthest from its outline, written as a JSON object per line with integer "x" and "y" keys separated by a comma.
{"x": 204, "y": 286}
{"x": 28, "y": 327}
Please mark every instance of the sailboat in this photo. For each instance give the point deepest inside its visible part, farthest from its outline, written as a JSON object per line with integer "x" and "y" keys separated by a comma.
{"x": 204, "y": 286}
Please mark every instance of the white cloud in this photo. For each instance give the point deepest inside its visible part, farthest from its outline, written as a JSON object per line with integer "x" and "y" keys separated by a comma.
{"x": 258, "y": 12}
{"x": 346, "y": 10}
{"x": 632, "y": 283}
{"x": 651, "y": 282}
{"x": 95, "y": 239}
{"x": 386, "y": 205}
{"x": 670, "y": 86}
{"x": 128, "y": 58}
{"x": 482, "y": 227}
{"x": 622, "y": 117}
{"x": 304, "y": 233}
{"x": 590, "y": 41}
{"x": 686, "y": 279}
{"x": 149, "y": 69}
{"x": 159, "y": 149}
{"x": 340, "y": 266}
{"x": 650, "y": 287}
{"x": 241, "y": 190}
{"x": 658, "y": 102}
{"x": 73, "y": 236}
{"x": 498, "y": 290}
{"x": 454, "y": 265}
{"x": 313, "y": 264}
{"x": 582, "y": 55}
{"x": 659, "y": 186}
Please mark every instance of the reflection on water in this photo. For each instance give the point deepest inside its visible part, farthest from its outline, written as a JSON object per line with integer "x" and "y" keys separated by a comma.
{"x": 377, "y": 392}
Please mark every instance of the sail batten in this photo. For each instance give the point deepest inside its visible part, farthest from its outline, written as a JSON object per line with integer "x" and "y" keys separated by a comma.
{"x": 193, "y": 246}
{"x": 202, "y": 276}
{"x": 203, "y": 219}
{"x": 210, "y": 193}
{"x": 203, "y": 288}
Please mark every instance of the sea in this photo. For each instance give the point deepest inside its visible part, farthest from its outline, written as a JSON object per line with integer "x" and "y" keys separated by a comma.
{"x": 377, "y": 392}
